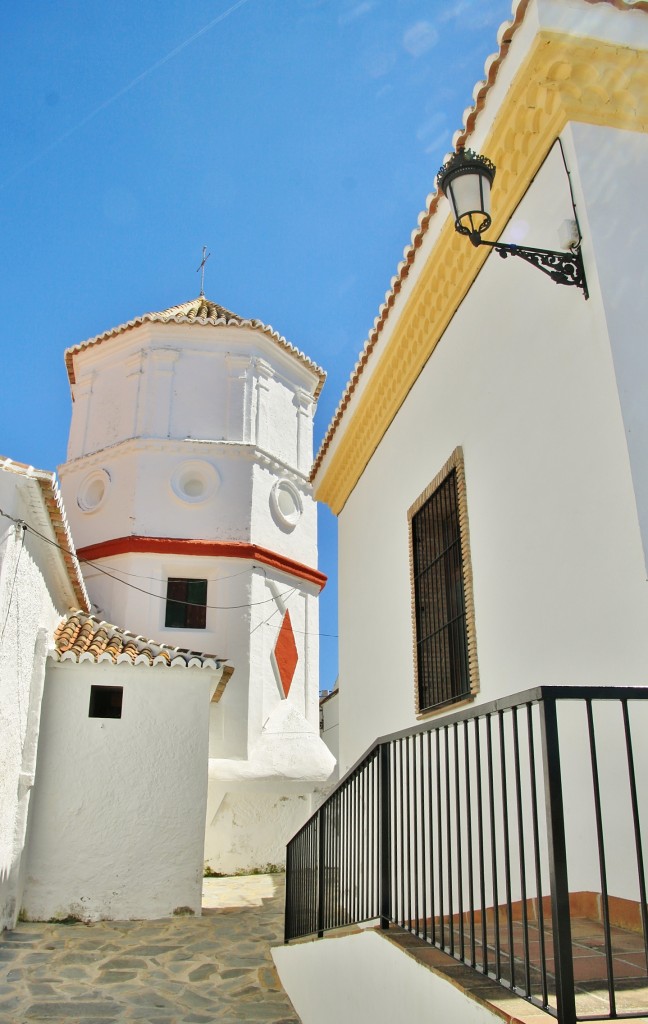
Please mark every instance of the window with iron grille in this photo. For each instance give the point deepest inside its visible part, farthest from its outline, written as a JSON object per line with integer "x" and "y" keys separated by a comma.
{"x": 186, "y": 604}
{"x": 439, "y": 585}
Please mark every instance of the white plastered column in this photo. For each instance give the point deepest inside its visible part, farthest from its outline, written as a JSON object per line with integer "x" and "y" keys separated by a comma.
{"x": 238, "y": 398}
{"x": 304, "y": 405}
{"x": 161, "y": 369}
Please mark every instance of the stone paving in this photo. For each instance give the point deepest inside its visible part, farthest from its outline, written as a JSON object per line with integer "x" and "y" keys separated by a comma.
{"x": 215, "y": 969}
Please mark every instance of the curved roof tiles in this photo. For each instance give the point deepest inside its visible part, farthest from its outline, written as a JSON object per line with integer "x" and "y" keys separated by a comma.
{"x": 81, "y": 637}
{"x": 198, "y": 311}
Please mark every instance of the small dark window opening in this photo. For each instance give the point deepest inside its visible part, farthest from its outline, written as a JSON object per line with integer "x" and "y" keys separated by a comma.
{"x": 441, "y": 639}
{"x": 186, "y": 604}
{"x": 106, "y": 701}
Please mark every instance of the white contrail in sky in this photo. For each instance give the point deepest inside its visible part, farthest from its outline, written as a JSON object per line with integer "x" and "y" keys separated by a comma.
{"x": 121, "y": 92}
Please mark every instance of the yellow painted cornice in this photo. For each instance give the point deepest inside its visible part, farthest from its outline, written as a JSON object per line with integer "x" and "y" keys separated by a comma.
{"x": 563, "y": 78}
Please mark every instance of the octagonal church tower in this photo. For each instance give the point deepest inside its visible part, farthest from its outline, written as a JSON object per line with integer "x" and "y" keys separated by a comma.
{"x": 187, "y": 490}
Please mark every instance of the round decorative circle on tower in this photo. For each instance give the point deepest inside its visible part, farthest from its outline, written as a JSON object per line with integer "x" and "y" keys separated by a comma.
{"x": 286, "y": 504}
{"x": 194, "y": 481}
{"x": 93, "y": 490}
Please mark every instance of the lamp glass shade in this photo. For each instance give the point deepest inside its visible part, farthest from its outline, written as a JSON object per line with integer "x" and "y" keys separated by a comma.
{"x": 466, "y": 180}
{"x": 470, "y": 198}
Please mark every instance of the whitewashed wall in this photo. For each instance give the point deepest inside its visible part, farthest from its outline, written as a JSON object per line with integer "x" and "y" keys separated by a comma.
{"x": 369, "y": 981}
{"x": 157, "y": 408}
{"x": 531, "y": 384}
{"x": 246, "y": 604}
{"x": 248, "y": 825}
{"x": 192, "y": 381}
{"x": 524, "y": 381}
{"x": 257, "y": 801}
{"x": 617, "y": 223}
{"x": 140, "y": 497}
{"x": 118, "y": 818}
{"x": 32, "y": 601}
{"x": 330, "y": 723}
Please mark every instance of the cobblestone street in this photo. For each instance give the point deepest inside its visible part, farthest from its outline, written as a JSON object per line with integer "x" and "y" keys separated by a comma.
{"x": 185, "y": 970}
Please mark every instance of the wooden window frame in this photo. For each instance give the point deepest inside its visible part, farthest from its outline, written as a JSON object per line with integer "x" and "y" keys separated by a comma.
{"x": 455, "y": 463}
{"x": 188, "y": 611}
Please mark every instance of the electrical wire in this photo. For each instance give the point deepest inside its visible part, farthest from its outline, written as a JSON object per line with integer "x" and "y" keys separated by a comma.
{"x": 190, "y": 604}
{"x": 303, "y": 632}
{"x": 162, "y": 597}
{"x": 274, "y": 612}
{"x": 141, "y": 576}
{"x": 148, "y": 593}
{"x": 24, "y": 527}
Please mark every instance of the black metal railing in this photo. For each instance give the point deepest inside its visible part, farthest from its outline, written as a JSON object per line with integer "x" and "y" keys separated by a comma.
{"x": 508, "y": 836}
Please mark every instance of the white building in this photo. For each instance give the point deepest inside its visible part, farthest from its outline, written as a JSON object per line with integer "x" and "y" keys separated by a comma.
{"x": 189, "y": 501}
{"x": 103, "y": 737}
{"x": 488, "y": 464}
{"x": 39, "y": 580}
{"x": 118, "y": 819}
{"x": 187, "y": 489}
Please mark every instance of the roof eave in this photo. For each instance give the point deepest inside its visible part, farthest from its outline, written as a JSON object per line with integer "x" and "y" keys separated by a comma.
{"x": 181, "y": 318}
{"x": 411, "y": 254}
{"x": 55, "y": 516}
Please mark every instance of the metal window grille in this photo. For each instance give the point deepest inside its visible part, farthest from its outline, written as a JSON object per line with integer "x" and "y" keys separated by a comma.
{"x": 186, "y": 604}
{"x": 440, "y": 607}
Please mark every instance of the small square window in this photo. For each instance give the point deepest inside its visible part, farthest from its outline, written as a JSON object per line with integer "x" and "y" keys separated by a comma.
{"x": 186, "y": 606}
{"x": 106, "y": 701}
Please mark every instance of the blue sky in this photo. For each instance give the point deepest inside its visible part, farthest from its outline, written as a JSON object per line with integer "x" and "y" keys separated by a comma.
{"x": 297, "y": 139}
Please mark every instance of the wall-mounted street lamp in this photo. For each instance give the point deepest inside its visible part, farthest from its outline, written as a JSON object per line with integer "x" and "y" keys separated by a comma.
{"x": 466, "y": 181}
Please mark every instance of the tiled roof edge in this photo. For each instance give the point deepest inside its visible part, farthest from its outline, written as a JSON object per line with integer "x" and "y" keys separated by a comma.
{"x": 78, "y": 633}
{"x": 491, "y": 68}
{"x": 55, "y": 508}
{"x": 179, "y": 317}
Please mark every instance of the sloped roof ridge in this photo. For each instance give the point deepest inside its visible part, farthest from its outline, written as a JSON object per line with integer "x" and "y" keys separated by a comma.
{"x": 492, "y": 65}
{"x": 53, "y": 502}
{"x": 81, "y": 635}
{"x": 183, "y": 308}
{"x": 204, "y": 311}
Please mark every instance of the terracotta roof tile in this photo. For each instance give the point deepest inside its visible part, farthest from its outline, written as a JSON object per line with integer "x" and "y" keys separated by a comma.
{"x": 491, "y": 68}
{"x": 83, "y": 637}
{"x": 198, "y": 311}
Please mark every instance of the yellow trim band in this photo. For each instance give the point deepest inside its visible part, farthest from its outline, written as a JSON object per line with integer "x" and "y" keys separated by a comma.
{"x": 563, "y": 78}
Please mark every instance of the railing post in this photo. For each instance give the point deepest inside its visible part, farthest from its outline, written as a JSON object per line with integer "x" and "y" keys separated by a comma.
{"x": 385, "y": 836}
{"x": 288, "y": 906}
{"x": 562, "y": 940}
{"x": 321, "y": 844}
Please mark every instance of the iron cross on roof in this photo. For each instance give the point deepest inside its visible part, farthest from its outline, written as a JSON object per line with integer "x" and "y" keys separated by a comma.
{"x": 201, "y": 268}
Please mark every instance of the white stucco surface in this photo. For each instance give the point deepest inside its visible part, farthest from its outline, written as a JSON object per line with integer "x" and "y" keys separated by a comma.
{"x": 543, "y": 391}
{"x": 202, "y": 433}
{"x": 618, "y": 226}
{"x": 558, "y": 572}
{"x": 248, "y": 825}
{"x": 330, "y": 723}
{"x": 287, "y": 748}
{"x": 117, "y": 825}
{"x": 34, "y": 593}
{"x": 364, "y": 979}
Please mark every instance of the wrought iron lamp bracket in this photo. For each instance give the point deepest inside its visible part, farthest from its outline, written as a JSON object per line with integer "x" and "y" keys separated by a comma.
{"x": 561, "y": 267}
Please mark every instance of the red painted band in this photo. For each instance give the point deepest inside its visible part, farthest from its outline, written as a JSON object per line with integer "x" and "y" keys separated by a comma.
{"x": 207, "y": 548}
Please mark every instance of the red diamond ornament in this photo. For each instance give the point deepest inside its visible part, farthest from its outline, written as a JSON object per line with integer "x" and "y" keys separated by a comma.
{"x": 285, "y": 653}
